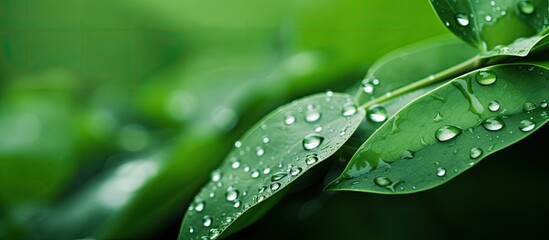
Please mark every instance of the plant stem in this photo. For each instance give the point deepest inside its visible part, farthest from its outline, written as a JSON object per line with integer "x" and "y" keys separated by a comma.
{"x": 461, "y": 68}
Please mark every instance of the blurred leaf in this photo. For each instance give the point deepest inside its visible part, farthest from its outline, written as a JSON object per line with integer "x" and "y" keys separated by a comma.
{"x": 274, "y": 153}
{"x": 487, "y": 24}
{"x": 447, "y": 131}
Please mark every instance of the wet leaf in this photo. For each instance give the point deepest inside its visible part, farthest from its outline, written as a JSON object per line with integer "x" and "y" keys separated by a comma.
{"x": 448, "y": 130}
{"x": 487, "y": 24}
{"x": 520, "y": 48}
{"x": 274, "y": 153}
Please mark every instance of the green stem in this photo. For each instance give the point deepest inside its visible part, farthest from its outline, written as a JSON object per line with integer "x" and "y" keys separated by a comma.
{"x": 456, "y": 70}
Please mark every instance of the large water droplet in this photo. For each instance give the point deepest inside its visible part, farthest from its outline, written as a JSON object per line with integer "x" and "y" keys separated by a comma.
{"x": 231, "y": 194}
{"x": 527, "y": 125}
{"x": 526, "y": 7}
{"x": 289, "y": 119}
{"x": 349, "y": 109}
{"x": 295, "y": 171}
{"x": 493, "y": 124}
{"x": 441, "y": 172}
{"x": 377, "y": 114}
{"x": 312, "y": 141}
{"x": 207, "y": 221}
{"x": 475, "y": 153}
{"x": 278, "y": 176}
{"x": 494, "y": 105}
{"x": 311, "y": 159}
{"x": 383, "y": 181}
{"x": 259, "y": 151}
{"x": 447, "y": 132}
{"x": 528, "y": 106}
{"x": 486, "y": 77}
{"x": 275, "y": 186}
{"x": 462, "y": 19}
{"x": 199, "y": 206}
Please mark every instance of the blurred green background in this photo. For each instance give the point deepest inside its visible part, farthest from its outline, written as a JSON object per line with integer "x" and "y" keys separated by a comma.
{"x": 113, "y": 113}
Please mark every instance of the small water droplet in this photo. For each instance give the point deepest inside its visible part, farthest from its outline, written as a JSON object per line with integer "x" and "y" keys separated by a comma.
{"x": 383, "y": 181}
{"x": 447, "y": 132}
{"x": 349, "y": 109}
{"x": 312, "y": 141}
{"x": 235, "y": 164}
{"x": 266, "y": 171}
{"x": 462, "y": 19}
{"x": 237, "y": 204}
{"x": 246, "y": 169}
{"x": 278, "y": 176}
{"x": 207, "y": 221}
{"x": 214, "y": 233}
{"x": 295, "y": 171}
{"x": 494, "y": 105}
{"x": 368, "y": 85}
{"x": 407, "y": 154}
{"x": 216, "y": 176}
{"x": 199, "y": 207}
{"x": 254, "y": 174}
{"x": 289, "y": 119}
{"x": 486, "y": 77}
{"x": 528, "y": 106}
{"x": 312, "y": 114}
{"x": 318, "y": 129}
{"x": 377, "y": 114}
{"x": 475, "y": 153}
{"x": 441, "y": 172}
{"x": 488, "y": 18}
{"x": 275, "y": 186}
{"x": 493, "y": 124}
{"x": 329, "y": 93}
{"x": 439, "y": 117}
{"x": 237, "y": 144}
{"x": 259, "y": 151}
{"x": 527, "y": 125}
{"x": 266, "y": 139}
{"x": 231, "y": 194}
{"x": 526, "y": 7}
{"x": 311, "y": 159}
{"x": 191, "y": 230}
{"x": 543, "y": 104}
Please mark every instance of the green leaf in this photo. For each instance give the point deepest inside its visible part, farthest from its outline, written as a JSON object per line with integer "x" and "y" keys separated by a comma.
{"x": 487, "y": 24}
{"x": 520, "y": 48}
{"x": 445, "y": 132}
{"x": 414, "y": 62}
{"x": 274, "y": 153}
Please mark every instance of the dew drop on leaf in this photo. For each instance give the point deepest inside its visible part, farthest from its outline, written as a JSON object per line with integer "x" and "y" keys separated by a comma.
{"x": 493, "y": 124}
{"x": 528, "y": 106}
{"x": 486, "y": 77}
{"x": 441, "y": 172}
{"x": 289, "y": 119}
{"x": 275, "y": 186}
{"x": 207, "y": 221}
{"x": 526, "y": 7}
{"x": 278, "y": 176}
{"x": 216, "y": 176}
{"x": 527, "y": 125}
{"x": 199, "y": 207}
{"x": 349, "y": 109}
{"x": 295, "y": 171}
{"x": 475, "y": 153}
{"x": 266, "y": 139}
{"x": 383, "y": 181}
{"x": 311, "y": 159}
{"x": 543, "y": 104}
{"x": 312, "y": 141}
{"x": 235, "y": 164}
{"x": 266, "y": 171}
{"x": 259, "y": 151}
{"x": 231, "y": 194}
{"x": 462, "y": 19}
{"x": 447, "y": 132}
{"x": 312, "y": 114}
{"x": 191, "y": 229}
{"x": 254, "y": 174}
{"x": 237, "y": 204}
{"x": 237, "y": 144}
{"x": 214, "y": 233}
{"x": 407, "y": 154}
{"x": 494, "y": 105}
{"x": 377, "y": 114}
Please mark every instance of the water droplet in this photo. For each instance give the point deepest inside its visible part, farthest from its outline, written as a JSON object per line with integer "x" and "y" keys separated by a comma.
{"x": 494, "y": 105}
{"x": 486, "y": 77}
{"x": 262, "y": 189}
{"x": 527, "y": 125}
{"x": 191, "y": 229}
{"x": 447, "y": 132}
{"x": 349, "y": 109}
{"x": 383, "y": 181}
{"x": 266, "y": 171}
{"x": 311, "y": 158}
{"x": 407, "y": 154}
{"x": 295, "y": 171}
{"x": 462, "y": 19}
{"x": 439, "y": 117}
{"x": 526, "y": 7}
{"x": 255, "y": 174}
{"x": 259, "y": 151}
{"x": 493, "y": 124}
{"x": 318, "y": 129}
{"x": 235, "y": 164}
{"x": 475, "y": 153}
{"x": 207, "y": 221}
{"x": 543, "y": 104}
{"x": 312, "y": 141}
{"x": 368, "y": 85}
{"x": 488, "y": 18}
{"x": 312, "y": 114}
{"x": 214, "y": 233}
{"x": 237, "y": 204}
{"x": 216, "y": 176}
{"x": 275, "y": 186}
{"x": 329, "y": 93}
{"x": 377, "y": 114}
{"x": 238, "y": 144}
{"x": 199, "y": 207}
{"x": 528, "y": 106}
{"x": 289, "y": 119}
{"x": 441, "y": 172}
{"x": 278, "y": 176}
{"x": 266, "y": 139}
{"x": 246, "y": 169}
{"x": 231, "y": 194}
